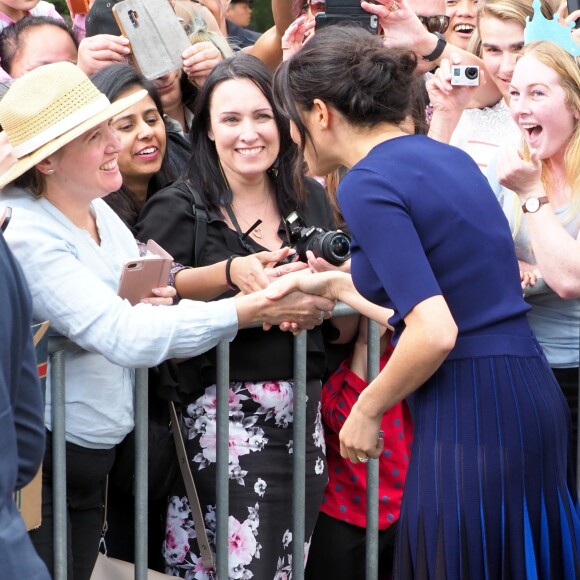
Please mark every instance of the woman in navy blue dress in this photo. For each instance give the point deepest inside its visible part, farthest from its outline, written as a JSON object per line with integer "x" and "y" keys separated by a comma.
{"x": 488, "y": 492}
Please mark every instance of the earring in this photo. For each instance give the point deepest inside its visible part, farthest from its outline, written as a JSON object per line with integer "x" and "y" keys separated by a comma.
{"x": 49, "y": 171}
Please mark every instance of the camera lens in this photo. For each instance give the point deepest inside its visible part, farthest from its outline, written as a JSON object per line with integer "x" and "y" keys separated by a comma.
{"x": 471, "y": 72}
{"x": 334, "y": 247}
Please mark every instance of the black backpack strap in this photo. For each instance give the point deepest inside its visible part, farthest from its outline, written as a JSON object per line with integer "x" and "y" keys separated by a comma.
{"x": 200, "y": 216}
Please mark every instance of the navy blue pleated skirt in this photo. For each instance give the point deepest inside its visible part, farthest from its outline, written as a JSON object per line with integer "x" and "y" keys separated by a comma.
{"x": 490, "y": 493}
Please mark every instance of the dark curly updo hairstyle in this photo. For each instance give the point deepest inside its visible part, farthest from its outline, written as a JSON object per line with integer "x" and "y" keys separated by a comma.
{"x": 349, "y": 69}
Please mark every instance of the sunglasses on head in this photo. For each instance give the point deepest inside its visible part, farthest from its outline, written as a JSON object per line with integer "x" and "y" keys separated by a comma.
{"x": 438, "y": 23}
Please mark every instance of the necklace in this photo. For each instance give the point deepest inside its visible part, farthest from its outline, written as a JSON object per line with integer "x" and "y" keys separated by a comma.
{"x": 257, "y": 231}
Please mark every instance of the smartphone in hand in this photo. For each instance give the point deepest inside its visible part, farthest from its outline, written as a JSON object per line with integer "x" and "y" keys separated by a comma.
{"x": 157, "y": 37}
{"x": 141, "y": 275}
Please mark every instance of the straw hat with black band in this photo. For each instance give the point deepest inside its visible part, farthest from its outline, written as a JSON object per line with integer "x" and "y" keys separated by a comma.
{"x": 49, "y": 107}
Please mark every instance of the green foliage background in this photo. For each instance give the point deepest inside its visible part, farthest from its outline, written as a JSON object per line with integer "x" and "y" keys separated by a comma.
{"x": 261, "y": 13}
{"x": 61, "y": 8}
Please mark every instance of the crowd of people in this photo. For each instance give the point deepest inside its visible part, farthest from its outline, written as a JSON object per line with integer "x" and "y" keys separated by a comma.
{"x": 461, "y": 204}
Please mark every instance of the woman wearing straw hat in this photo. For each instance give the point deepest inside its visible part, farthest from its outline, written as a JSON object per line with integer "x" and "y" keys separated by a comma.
{"x": 72, "y": 246}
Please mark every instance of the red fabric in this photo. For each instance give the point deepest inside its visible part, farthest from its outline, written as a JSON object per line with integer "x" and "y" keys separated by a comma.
{"x": 345, "y": 494}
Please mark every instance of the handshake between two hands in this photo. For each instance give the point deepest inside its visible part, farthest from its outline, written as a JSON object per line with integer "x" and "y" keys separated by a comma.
{"x": 306, "y": 288}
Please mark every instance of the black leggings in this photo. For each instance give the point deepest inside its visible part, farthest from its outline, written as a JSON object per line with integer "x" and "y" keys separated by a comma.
{"x": 337, "y": 551}
{"x": 86, "y": 470}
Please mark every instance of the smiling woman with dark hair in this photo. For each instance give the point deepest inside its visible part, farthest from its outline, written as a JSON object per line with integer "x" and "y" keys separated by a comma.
{"x": 249, "y": 176}
{"x": 144, "y": 160}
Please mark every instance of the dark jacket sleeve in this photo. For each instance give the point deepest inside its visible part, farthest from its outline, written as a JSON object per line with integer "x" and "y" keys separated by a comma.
{"x": 168, "y": 219}
{"x": 29, "y": 417}
{"x": 21, "y": 399}
{"x": 22, "y": 428}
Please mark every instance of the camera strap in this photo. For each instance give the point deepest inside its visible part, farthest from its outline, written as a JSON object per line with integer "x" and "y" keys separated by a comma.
{"x": 242, "y": 236}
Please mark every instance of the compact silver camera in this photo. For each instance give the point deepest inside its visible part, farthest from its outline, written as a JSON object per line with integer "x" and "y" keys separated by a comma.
{"x": 465, "y": 76}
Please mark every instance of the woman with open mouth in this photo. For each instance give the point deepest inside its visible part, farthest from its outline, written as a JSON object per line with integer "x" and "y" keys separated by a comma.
{"x": 498, "y": 40}
{"x": 144, "y": 160}
{"x": 541, "y": 198}
{"x": 462, "y": 15}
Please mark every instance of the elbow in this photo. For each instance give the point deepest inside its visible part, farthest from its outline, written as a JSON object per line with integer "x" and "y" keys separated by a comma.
{"x": 569, "y": 293}
{"x": 566, "y": 287}
{"x": 443, "y": 338}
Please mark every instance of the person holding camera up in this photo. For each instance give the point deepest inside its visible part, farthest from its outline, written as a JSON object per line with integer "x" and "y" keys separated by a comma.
{"x": 498, "y": 41}
{"x": 244, "y": 169}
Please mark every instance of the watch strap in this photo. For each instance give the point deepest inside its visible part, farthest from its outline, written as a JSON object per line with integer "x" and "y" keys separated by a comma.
{"x": 541, "y": 201}
{"x": 439, "y": 48}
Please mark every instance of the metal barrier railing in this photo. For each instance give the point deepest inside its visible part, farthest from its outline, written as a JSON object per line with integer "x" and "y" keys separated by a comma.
{"x": 57, "y": 348}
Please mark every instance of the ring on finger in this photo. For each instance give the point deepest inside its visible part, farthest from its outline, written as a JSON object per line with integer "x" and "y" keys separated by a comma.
{"x": 363, "y": 458}
{"x": 394, "y": 6}
{"x": 321, "y": 315}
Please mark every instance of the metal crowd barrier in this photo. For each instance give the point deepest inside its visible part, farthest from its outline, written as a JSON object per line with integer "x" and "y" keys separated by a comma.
{"x": 56, "y": 350}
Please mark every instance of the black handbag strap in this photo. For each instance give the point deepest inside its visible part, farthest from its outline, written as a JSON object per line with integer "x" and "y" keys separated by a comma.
{"x": 200, "y": 217}
{"x": 197, "y": 514}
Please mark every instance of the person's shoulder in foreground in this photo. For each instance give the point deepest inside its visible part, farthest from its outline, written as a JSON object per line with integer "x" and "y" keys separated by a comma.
{"x": 21, "y": 420}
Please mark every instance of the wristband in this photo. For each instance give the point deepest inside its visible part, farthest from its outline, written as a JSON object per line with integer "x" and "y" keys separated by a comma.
{"x": 229, "y": 281}
{"x": 441, "y": 44}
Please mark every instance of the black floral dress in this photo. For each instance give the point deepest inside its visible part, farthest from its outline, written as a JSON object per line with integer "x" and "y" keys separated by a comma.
{"x": 260, "y": 468}
{"x": 260, "y": 414}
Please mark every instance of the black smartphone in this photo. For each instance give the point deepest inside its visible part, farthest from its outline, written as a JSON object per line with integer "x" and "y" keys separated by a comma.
{"x": 574, "y": 5}
{"x": 347, "y": 11}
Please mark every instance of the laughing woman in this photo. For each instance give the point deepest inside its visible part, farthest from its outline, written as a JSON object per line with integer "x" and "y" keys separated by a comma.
{"x": 544, "y": 214}
{"x": 487, "y": 493}
{"x": 144, "y": 161}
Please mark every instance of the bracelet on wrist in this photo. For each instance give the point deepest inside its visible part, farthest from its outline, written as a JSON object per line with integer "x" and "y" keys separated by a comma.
{"x": 438, "y": 50}
{"x": 229, "y": 282}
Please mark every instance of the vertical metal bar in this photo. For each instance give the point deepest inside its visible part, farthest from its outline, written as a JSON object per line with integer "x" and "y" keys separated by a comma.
{"x": 299, "y": 456}
{"x": 372, "y": 545}
{"x": 141, "y": 471}
{"x": 58, "y": 464}
{"x": 222, "y": 470}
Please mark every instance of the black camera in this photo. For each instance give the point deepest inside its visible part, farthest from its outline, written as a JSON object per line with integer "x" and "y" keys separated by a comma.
{"x": 333, "y": 246}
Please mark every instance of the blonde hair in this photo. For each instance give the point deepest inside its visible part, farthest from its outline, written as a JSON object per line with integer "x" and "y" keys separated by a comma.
{"x": 506, "y": 11}
{"x": 566, "y": 67}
